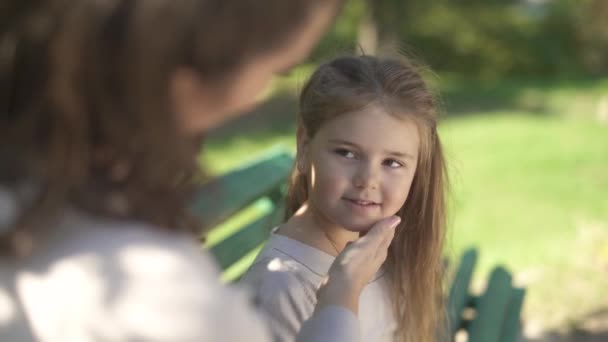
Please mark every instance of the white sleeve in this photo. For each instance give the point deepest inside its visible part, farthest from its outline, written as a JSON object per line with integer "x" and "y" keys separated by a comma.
{"x": 184, "y": 301}
{"x": 166, "y": 290}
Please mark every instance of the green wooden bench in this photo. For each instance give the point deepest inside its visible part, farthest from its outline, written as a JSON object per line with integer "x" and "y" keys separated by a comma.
{"x": 491, "y": 316}
{"x": 245, "y": 204}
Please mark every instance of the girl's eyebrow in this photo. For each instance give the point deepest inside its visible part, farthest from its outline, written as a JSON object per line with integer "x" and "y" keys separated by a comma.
{"x": 390, "y": 153}
{"x": 343, "y": 142}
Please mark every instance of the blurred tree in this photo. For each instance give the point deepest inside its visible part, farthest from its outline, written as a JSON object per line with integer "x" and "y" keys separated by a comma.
{"x": 367, "y": 35}
{"x": 485, "y": 38}
{"x": 342, "y": 38}
{"x": 380, "y": 26}
{"x": 364, "y": 26}
{"x": 593, "y": 32}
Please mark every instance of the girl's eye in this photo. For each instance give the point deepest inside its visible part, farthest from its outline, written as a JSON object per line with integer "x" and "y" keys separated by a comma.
{"x": 392, "y": 163}
{"x": 345, "y": 153}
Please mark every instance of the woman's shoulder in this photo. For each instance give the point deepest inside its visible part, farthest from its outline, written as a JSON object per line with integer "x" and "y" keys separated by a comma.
{"x": 126, "y": 280}
{"x": 130, "y": 246}
{"x": 79, "y": 233}
{"x": 129, "y": 262}
{"x": 123, "y": 255}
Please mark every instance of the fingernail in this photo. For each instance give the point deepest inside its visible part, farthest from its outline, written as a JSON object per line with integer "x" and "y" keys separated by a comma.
{"x": 394, "y": 221}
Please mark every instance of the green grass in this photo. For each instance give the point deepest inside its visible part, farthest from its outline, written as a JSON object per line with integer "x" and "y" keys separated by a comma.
{"x": 529, "y": 189}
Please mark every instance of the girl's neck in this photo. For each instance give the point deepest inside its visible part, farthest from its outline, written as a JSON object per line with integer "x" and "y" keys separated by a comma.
{"x": 313, "y": 229}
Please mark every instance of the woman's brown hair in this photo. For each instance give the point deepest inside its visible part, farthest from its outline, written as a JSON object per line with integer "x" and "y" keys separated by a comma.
{"x": 85, "y": 118}
{"x": 414, "y": 260}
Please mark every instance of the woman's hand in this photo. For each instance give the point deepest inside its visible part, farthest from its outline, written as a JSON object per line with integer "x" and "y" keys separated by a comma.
{"x": 356, "y": 266}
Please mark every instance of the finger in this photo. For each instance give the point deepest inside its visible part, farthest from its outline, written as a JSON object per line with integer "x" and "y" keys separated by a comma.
{"x": 381, "y": 230}
{"x": 387, "y": 239}
{"x": 382, "y": 248}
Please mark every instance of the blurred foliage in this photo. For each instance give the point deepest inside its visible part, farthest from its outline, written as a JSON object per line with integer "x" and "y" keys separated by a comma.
{"x": 484, "y": 38}
{"x": 343, "y": 36}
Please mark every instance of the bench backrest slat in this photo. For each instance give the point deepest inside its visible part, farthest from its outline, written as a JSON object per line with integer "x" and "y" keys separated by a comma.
{"x": 492, "y": 308}
{"x": 221, "y": 198}
{"x": 459, "y": 291}
{"x": 245, "y": 240}
{"x": 512, "y": 326}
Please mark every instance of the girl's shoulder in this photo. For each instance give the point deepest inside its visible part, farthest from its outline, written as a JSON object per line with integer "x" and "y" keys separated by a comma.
{"x": 284, "y": 284}
{"x": 287, "y": 270}
{"x": 284, "y": 257}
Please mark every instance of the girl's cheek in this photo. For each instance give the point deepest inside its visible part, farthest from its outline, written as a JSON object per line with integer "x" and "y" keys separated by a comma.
{"x": 336, "y": 170}
{"x": 327, "y": 177}
{"x": 396, "y": 188}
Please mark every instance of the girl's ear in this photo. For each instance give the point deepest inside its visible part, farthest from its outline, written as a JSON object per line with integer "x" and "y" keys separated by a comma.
{"x": 303, "y": 142}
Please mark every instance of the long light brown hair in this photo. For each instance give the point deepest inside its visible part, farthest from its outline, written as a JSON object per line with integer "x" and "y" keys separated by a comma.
{"x": 414, "y": 260}
{"x": 85, "y": 118}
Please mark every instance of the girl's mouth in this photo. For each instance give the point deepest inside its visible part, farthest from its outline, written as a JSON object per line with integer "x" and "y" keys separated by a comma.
{"x": 361, "y": 202}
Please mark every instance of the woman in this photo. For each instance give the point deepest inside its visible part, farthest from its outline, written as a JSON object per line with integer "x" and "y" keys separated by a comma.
{"x": 107, "y": 101}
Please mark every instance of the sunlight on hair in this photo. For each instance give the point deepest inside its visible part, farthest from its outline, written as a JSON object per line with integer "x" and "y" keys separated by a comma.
{"x": 7, "y": 308}
{"x": 302, "y": 210}
{"x": 312, "y": 176}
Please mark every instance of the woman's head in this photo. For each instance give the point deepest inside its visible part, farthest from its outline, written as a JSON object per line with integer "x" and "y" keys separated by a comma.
{"x": 107, "y": 97}
{"x": 368, "y": 148}
{"x": 242, "y": 78}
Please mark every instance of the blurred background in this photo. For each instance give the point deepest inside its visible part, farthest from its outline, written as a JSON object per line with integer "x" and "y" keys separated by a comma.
{"x": 524, "y": 92}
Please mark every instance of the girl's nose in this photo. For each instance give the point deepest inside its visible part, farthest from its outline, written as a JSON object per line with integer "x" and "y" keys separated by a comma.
{"x": 365, "y": 177}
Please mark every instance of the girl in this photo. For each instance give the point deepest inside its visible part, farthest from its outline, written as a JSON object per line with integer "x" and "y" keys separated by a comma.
{"x": 367, "y": 149}
{"x": 99, "y": 127}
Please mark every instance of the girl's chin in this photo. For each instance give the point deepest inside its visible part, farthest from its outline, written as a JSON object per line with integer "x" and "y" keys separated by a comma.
{"x": 358, "y": 227}
{"x": 361, "y": 226}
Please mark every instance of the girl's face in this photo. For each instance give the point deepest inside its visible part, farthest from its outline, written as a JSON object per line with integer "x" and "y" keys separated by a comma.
{"x": 201, "y": 106}
{"x": 360, "y": 167}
